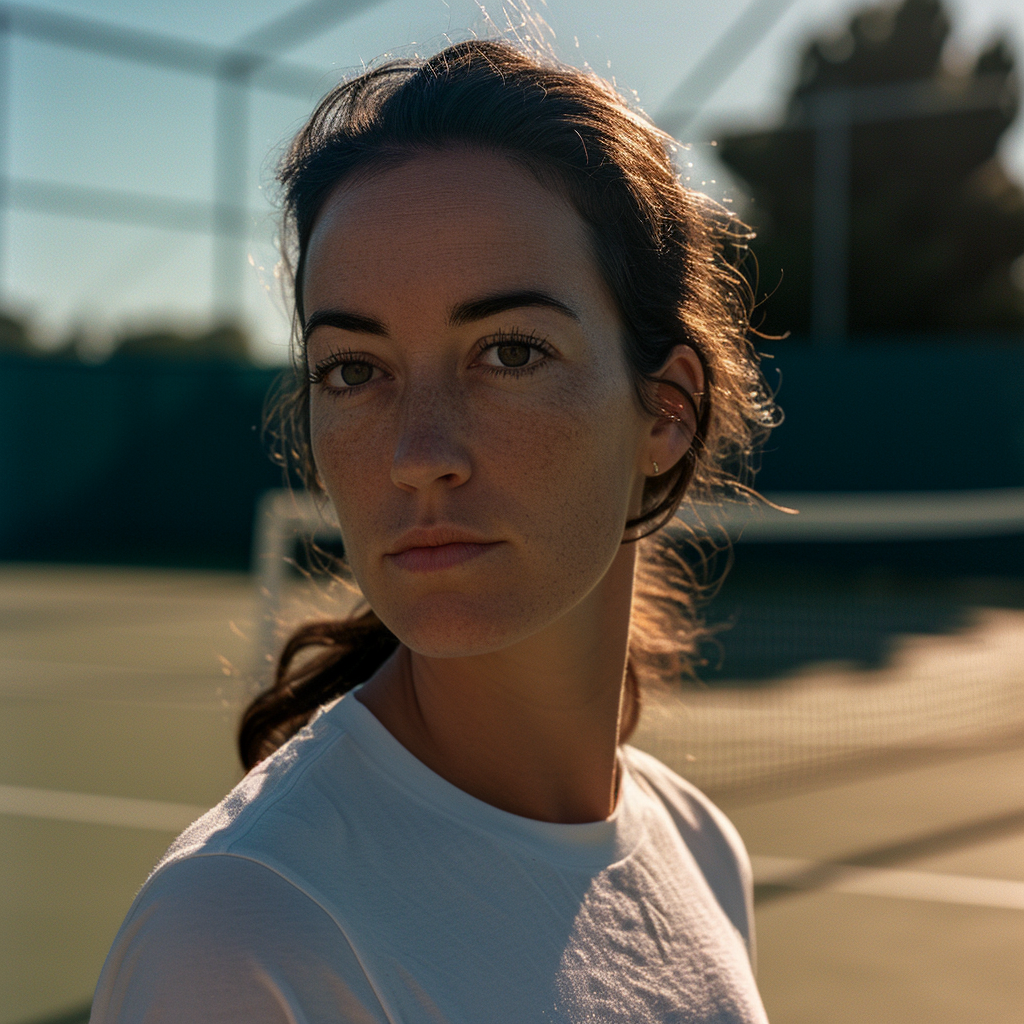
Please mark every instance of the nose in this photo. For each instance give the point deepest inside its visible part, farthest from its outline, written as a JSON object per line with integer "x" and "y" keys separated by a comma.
{"x": 430, "y": 449}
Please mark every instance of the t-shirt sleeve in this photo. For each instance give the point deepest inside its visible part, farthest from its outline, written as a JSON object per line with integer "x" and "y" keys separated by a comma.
{"x": 219, "y": 938}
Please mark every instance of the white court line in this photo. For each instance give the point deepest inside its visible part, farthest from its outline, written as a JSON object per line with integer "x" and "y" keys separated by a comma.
{"x": 91, "y": 809}
{"x": 895, "y": 884}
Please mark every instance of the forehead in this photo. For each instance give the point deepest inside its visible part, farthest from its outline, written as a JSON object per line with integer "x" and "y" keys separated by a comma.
{"x": 447, "y": 225}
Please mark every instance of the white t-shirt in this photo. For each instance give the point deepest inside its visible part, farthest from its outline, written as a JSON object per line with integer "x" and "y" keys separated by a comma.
{"x": 343, "y": 880}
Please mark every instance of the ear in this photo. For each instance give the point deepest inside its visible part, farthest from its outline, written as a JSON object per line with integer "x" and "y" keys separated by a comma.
{"x": 672, "y": 433}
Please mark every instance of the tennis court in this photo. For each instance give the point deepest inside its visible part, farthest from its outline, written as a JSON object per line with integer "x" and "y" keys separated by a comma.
{"x": 881, "y": 795}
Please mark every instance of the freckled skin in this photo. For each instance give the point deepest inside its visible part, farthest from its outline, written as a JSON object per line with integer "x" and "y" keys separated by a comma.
{"x": 509, "y": 678}
{"x": 547, "y": 463}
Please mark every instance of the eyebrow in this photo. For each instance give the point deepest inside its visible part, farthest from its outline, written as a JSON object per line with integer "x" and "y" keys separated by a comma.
{"x": 344, "y": 320}
{"x": 461, "y": 314}
{"x": 480, "y": 309}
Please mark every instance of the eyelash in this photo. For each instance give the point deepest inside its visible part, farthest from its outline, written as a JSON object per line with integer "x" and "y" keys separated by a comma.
{"x": 318, "y": 374}
{"x": 531, "y": 340}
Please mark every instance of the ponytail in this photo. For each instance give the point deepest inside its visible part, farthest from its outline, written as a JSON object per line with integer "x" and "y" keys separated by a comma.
{"x": 346, "y": 654}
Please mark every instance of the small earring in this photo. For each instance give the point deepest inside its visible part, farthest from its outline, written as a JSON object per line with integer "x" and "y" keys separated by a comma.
{"x": 656, "y": 470}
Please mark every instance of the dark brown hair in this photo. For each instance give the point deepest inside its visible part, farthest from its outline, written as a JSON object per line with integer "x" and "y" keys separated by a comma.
{"x": 669, "y": 255}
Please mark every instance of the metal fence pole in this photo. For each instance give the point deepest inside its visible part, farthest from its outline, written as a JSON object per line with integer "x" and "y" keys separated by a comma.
{"x": 5, "y": 136}
{"x": 231, "y": 127}
{"x": 831, "y": 219}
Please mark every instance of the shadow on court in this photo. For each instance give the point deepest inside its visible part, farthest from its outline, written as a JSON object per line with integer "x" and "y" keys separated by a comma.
{"x": 944, "y": 840}
{"x": 772, "y": 620}
{"x": 80, "y": 1015}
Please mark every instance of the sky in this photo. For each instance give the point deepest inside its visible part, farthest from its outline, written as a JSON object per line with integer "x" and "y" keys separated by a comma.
{"x": 87, "y": 121}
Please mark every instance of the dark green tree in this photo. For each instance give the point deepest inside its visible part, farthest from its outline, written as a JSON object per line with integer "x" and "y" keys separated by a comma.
{"x": 934, "y": 224}
{"x": 15, "y": 335}
{"x": 226, "y": 342}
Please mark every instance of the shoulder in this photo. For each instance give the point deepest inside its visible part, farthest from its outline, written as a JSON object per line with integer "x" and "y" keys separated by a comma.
{"x": 219, "y": 937}
{"x": 694, "y": 811}
{"x": 275, "y": 781}
{"x": 229, "y": 926}
{"x": 708, "y": 834}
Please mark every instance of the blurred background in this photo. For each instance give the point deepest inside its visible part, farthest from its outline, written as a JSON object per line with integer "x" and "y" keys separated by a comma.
{"x": 860, "y": 712}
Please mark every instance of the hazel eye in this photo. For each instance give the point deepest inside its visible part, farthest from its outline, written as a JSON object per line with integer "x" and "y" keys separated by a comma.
{"x": 354, "y": 374}
{"x": 513, "y": 354}
{"x": 351, "y": 373}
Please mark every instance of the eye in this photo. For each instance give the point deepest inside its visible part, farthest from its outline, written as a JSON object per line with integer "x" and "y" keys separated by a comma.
{"x": 342, "y": 372}
{"x": 354, "y": 374}
{"x": 513, "y": 354}
{"x": 510, "y": 353}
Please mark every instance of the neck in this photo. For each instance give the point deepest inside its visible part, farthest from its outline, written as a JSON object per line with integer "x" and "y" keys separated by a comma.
{"x": 532, "y": 728}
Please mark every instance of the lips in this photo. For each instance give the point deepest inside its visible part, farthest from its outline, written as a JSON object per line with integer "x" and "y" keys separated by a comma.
{"x": 441, "y": 556}
{"x": 435, "y": 549}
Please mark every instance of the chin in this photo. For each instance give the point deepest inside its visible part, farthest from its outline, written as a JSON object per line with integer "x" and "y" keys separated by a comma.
{"x": 459, "y": 626}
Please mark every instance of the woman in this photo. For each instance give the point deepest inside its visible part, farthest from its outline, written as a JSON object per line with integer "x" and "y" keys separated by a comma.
{"x": 518, "y": 344}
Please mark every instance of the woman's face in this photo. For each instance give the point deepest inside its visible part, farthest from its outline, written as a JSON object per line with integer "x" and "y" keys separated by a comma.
{"x": 471, "y": 415}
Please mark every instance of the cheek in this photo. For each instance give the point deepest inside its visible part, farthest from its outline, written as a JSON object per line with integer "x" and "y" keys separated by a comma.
{"x": 352, "y": 459}
{"x": 568, "y": 467}
{"x": 594, "y": 432}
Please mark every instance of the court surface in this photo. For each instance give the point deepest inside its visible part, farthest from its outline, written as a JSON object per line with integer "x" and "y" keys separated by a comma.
{"x": 890, "y": 871}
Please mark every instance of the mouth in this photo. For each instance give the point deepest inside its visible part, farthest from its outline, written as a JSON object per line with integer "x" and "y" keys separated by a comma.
{"x": 440, "y": 556}
{"x": 434, "y": 550}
